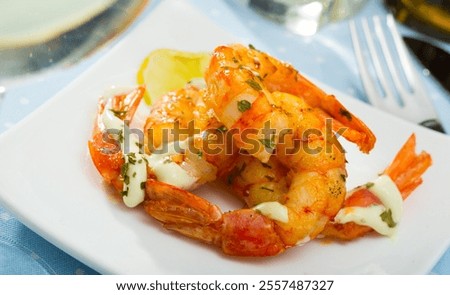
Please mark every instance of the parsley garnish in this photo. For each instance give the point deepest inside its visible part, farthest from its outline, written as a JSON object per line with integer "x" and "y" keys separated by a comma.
{"x": 267, "y": 189}
{"x": 244, "y": 105}
{"x": 386, "y": 216}
{"x": 121, "y": 136}
{"x": 124, "y": 169}
{"x": 126, "y": 179}
{"x": 222, "y": 129}
{"x": 143, "y": 185}
{"x": 255, "y": 85}
{"x": 270, "y": 178}
{"x": 268, "y": 143}
{"x": 346, "y": 114}
{"x": 265, "y": 165}
{"x": 369, "y": 185}
{"x": 118, "y": 114}
{"x": 132, "y": 158}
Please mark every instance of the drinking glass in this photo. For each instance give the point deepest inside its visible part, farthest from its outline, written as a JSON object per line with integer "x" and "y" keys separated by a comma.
{"x": 30, "y": 43}
{"x": 305, "y": 17}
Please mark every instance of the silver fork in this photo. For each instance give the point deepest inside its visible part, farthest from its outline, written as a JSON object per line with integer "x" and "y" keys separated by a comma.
{"x": 407, "y": 101}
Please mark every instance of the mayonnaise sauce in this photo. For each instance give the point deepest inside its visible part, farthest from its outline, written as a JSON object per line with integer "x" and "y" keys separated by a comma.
{"x": 135, "y": 172}
{"x": 392, "y": 204}
{"x": 168, "y": 171}
{"x": 135, "y": 166}
{"x": 273, "y": 210}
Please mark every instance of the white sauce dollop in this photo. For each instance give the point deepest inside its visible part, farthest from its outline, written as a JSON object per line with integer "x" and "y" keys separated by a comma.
{"x": 136, "y": 173}
{"x": 168, "y": 171}
{"x": 392, "y": 203}
{"x": 136, "y": 163}
{"x": 273, "y": 210}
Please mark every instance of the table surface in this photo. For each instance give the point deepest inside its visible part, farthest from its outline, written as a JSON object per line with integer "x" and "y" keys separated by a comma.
{"x": 24, "y": 252}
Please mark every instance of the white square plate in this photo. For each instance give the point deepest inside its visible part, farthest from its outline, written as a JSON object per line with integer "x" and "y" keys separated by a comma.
{"x": 48, "y": 180}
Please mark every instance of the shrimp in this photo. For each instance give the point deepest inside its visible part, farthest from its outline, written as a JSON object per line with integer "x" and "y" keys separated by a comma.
{"x": 305, "y": 192}
{"x": 241, "y": 82}
{"x": 126, "y": 160}
{"x": 312, "y": 194}
{"x": 406, "y": 171}
{"x": 181, "y": 116}
{"x": 104, "y": 149}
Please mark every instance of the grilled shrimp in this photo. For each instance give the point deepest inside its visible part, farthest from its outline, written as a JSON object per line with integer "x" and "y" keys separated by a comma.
{"x": 278, "y": 150}
{"x": 241, "y": 82}
{"x": 182, "y": 118}
{"x": 309, "y": 197}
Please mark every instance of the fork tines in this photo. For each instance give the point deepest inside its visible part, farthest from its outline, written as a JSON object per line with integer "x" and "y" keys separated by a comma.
{"x": 390, "y": 80}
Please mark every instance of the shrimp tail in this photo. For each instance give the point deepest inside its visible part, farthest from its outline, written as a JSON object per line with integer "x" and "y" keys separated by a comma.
{"x": 105, "y": 152}
{"x": 407, "y": 168}
{"x": 238, "y": 233}
{"x": 170, "y": 204}
{"x": 346, "y": 123}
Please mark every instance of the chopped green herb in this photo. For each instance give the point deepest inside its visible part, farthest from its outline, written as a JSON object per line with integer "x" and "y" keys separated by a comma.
{"x": 124, "y": 193}
{"x": 200, "y": 154}
{"x": 118, "y": 114}
{"x": 134, "y": 174}
{"x": 255, "y": 85}
{"x": 268, "y": 143}
{"x": 369, "y": 185}
{"x": 143, "y": 185}
{"x": 270, "y": 178}
{"x": 124, "y": 169}
{"x": 244, "y": 105}
{"x": 346, "y": 114}
{"x": 126, "y": 179}
{"x": 265, "y": 165}
{"x": 222, "y": 129}
{"x": 252, "y": 47}
{"x": 386, "y": 216}
{"x": 267, "y": 189}
{"x": 120, "y": 136}
{"x": 132, "y": 158}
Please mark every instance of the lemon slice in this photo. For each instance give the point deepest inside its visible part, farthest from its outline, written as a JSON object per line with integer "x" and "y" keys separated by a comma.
{"x": 165, "y": 70}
